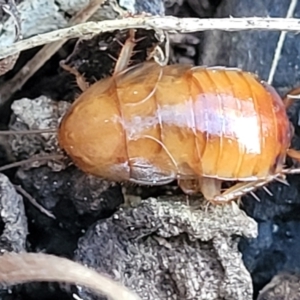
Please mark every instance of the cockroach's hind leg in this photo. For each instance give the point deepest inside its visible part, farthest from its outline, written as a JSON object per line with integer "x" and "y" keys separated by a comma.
{"x": 255, "y": 196}
{"x": 291, "y": 96}
{"x": 210, "y": 188}
{"x": 282, "y": 180}
{"x": 268, "y": 191}
{"x": 290, "y": 172}
{"x": 81, "y": 81}
{"x": 238, "y": 190}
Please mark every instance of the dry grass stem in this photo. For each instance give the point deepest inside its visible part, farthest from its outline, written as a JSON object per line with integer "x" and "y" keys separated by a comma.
{"x": 34, "y": 202}
{"x": 28, "y": 267}
{"x": 168, "y": 23}
{"x": 31, "y": 160}
{"x": 280, "y": 42}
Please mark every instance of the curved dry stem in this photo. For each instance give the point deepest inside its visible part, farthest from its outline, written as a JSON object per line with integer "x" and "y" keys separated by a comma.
{"x": 27, "y": 267}
{"x": 31, "y": 160}
{"x": 166, "y": 23}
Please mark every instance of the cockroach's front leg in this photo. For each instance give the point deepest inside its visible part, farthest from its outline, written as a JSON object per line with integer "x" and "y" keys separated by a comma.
{"x": 126, "y": 52}
{"x": 81, "y": 82}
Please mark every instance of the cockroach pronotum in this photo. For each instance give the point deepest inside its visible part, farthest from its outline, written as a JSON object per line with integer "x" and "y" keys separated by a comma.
{"x": 152, "y": 124}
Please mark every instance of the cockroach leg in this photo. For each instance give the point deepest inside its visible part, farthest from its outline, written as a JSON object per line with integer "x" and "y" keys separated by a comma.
{"x": 126, "y": 52}
{"x": 294, "y": 154}
{"x": 291, "y": 171}
{"x": 210, "y": 187}
{"x": 81, "y": 82}
{"x": 291, "y": 96}
{"x": 267, "y": 191}
{"x": 255, "y": 196}
{"x": 282, "y": 180}
{"x": 238, "y": 190}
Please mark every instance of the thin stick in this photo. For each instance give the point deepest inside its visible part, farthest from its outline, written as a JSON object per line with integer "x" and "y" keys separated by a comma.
{"x": 30, "y": 131}
{"x": 280, "y": 43}
{"x": 167, "y": 23}
{"x": 33, "y": 65}
{"x": 30, "y": 160}
{"x": 28, "y": 267}
{"x": 34, "y": 202}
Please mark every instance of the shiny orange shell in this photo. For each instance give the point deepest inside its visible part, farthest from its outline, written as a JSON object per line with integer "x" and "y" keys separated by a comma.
{"x": 153, "y": 124}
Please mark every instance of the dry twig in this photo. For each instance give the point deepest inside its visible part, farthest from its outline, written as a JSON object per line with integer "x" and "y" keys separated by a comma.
{"x": 168, "y": 23}
{"x": 34, "y": 202}
{"x": 28, "y": 267}
{"x": 16, "y": 83}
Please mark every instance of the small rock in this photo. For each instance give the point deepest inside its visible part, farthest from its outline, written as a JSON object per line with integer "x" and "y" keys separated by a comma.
{"x": 166, "y": 249}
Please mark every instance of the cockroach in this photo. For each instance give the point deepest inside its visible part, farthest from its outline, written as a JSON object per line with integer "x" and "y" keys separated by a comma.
{"x": 151, "y": 124}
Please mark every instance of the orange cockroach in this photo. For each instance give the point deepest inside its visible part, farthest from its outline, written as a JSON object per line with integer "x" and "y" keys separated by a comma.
{"x": 151, "y": 124}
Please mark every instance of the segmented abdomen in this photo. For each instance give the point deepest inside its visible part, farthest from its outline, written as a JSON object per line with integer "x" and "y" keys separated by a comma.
{"x": 214, "y": 122}
{"x": 153, "y": 124}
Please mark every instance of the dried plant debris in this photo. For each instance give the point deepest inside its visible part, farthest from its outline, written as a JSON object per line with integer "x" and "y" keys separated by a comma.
{"x": 56, "y": 15}
{"x": 167, "y": 249}
{"x": 89, "y": 194}
{"x": 28, "y": 267}
{"x": 282, "y": 287}
{"x": 13, "y": 236}
{"x": 49, "y": 16}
